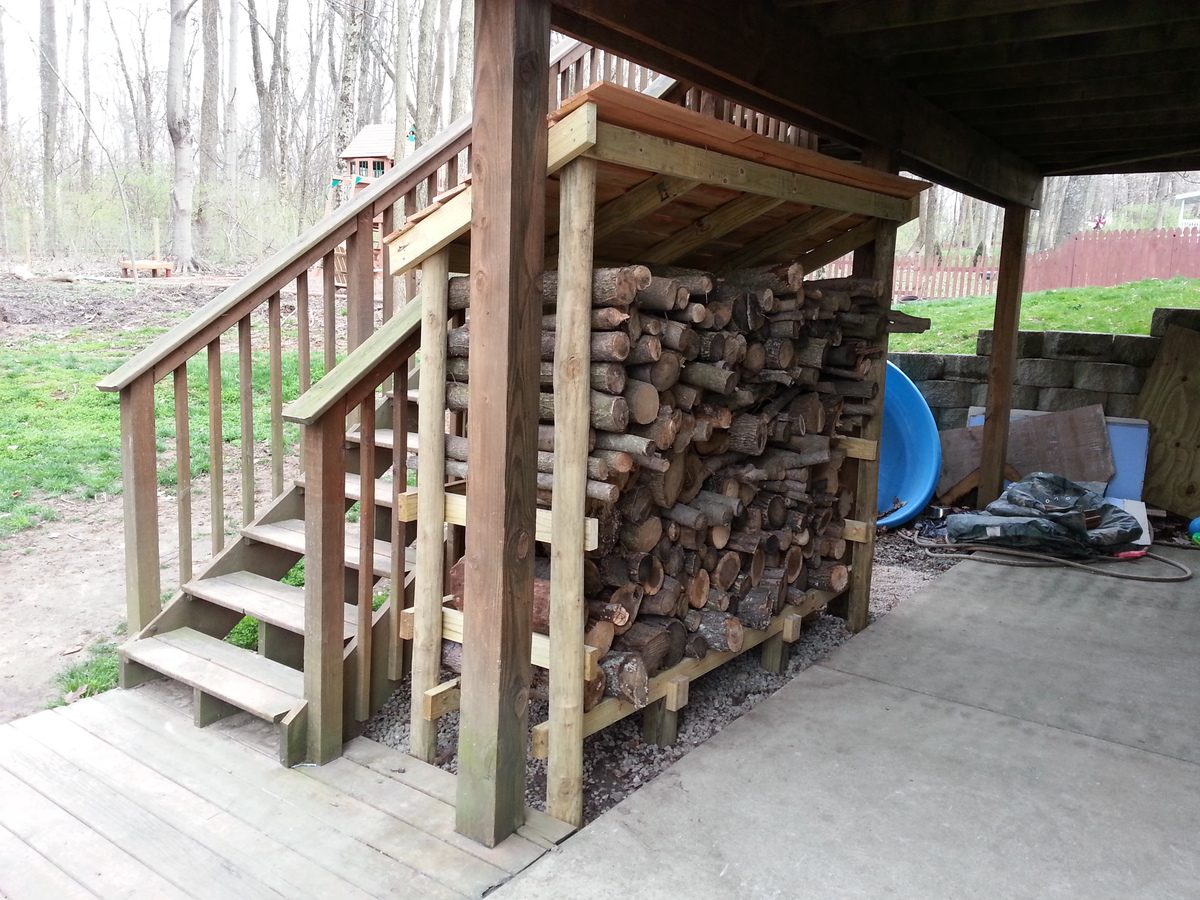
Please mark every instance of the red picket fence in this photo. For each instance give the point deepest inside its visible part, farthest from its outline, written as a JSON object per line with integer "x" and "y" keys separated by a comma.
{"x": 1088, "y": 259}
{"x": 1106, "y": 258}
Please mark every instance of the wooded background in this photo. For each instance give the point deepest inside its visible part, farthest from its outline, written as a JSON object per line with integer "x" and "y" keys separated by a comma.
{"x": 224, "y": 120}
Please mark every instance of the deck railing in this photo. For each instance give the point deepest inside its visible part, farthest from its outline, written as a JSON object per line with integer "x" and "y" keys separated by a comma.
{"x": 226, "y": 325}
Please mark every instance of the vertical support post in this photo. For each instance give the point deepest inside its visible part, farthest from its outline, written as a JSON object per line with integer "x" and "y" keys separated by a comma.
{"x": 325, "y": 582}
{"x": 1003, "y": 362}
{"x": 329, "y": 309}
{"x": 275, "y": 371}
{"x": 875, "y": 260}
{"x": 400, "y": 530}
{"x": 139, "y": 476}
{"x": 431, "y": 501}
{"x": 360, "y": 280}
{"x": 568, "y": 614}
{"x": 366, "y": 556}
{"x": 512, "y": 52}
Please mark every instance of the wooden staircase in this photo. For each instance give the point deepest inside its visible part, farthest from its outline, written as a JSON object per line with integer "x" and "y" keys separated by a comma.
{"x": 187, "y": 642}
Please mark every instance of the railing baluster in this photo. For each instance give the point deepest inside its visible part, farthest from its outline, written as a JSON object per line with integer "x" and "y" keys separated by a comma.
{"x": 329, "y": 303}
{"x": 366, "y": 555}
{"x": 275, "y": 330}
{"x": 246, "y": 403}
{"x": 395, "y": 649}
{"x": 183, "y": 472}
{"x": 216, "y": 449}
{"x": 303, "y": 336}
{"x": 388, "y": 285}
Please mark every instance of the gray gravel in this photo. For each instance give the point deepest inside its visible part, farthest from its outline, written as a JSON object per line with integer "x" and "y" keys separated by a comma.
{"x": 617, "y": 761}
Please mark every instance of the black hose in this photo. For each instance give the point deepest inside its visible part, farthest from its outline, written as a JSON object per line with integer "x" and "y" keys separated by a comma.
{"x": 1044, "y": 560}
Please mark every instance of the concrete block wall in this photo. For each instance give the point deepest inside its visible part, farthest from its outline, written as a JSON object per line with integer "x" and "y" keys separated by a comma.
{"x": 1056, "y": 370}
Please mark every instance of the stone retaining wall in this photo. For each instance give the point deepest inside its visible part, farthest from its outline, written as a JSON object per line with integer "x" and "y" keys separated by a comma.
{"x": 1056, "y": 370}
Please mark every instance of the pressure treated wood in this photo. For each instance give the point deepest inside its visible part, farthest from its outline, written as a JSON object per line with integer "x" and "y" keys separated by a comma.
{"x": 119, "y": 795}
{"x": 1003, "y": 361}
{"x": 1170, "y": 400}
{"x": 568, "y": 614}
{"x": 427, "y": 598}
{"x": 138, "y": 454}
{"x": 507, "y": 239}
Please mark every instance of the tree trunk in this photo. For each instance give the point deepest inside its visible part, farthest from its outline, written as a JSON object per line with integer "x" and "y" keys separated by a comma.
{"x": 182, "y": 141}
{"x": 344, "y": 116}
{"x": 210, "y": 32}
{"x": 230, "y": 140}
{"x": 48, "y": 51}
{"x": 460, "y": 92}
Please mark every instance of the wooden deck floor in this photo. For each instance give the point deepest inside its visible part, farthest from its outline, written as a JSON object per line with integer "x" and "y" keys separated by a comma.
{"x": 121, "y": 796}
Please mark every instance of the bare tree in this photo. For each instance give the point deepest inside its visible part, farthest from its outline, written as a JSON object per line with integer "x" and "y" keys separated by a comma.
{"x": 210, "y": 31}
{"x": 183, "y": 141}
{"x": 1073, "y": 208}
{"x": 400, "y": 79}
{"x": 351, "y": 48}
{"x": 85, "y": 147}
{"x": 464, "y": 71}
{"x": 232, "y": 151}
{"x": 48, "y": 50}
{"x": 427, "y": 102}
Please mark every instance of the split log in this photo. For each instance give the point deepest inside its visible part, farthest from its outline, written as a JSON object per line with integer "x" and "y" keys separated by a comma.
{"x": 722, "y": 631}
{"x": 651, "y": 643}
{"x": 625, "y": 677}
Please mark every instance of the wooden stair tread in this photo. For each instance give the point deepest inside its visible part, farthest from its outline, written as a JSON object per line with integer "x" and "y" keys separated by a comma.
{"x": 269, "y": 601}
{"x": 289, "y": 534}
{"x": 383, "y": 489}
{"x": 384, "y": 437}
{"x": 264, "y": 688}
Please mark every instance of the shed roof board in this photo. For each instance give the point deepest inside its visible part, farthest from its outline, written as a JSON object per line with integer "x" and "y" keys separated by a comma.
{"x": 676, "y": 187}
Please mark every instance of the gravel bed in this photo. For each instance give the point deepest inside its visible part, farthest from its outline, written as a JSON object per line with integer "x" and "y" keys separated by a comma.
{"x": 616, "y": 760}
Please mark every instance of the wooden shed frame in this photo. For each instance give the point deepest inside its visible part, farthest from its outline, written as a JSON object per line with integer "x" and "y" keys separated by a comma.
{"x": 651, "y": 154}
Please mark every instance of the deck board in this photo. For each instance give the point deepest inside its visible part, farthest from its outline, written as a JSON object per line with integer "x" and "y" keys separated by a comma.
{"x": 120, "y": 796}
{"x": 27, "y": 875}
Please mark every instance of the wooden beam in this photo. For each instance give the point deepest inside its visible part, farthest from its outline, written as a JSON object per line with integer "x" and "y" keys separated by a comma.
{"x": 877, "y": 15}
{"x": 1078, "y": 50}
{"x": 325, "y": 582}
{"x": 431, "y": 503}
{"x": 631, "y": 148}
{"x": 873, "y": 260}
{"x": 822, "y": 88}
{"x": 848, "y": 242}
{"x": 783, "y": 239}
{"x": 637, "y": 203}
{"x": 568, "y": 612}
{"x": 1097, "y": 88}
{"x": 1056, "y": 72}
{"x": 717, "y": 223}
{"x": 512, "y": 49}
{"x": 139, "y": 474}
{"x": 1029, "y": 26}
{"x": 1003, "y": 361}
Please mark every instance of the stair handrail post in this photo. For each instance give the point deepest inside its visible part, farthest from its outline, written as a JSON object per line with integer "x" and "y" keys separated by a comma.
{"x": 324, "y": 580}
{"x": 139, "y": 481}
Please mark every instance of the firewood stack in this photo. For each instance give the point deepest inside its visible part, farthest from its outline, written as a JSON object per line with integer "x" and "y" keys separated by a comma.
{"x": 714, "y": 471}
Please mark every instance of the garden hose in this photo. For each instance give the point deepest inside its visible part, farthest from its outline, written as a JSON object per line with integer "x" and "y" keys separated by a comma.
{"x": 1030, "y": 559}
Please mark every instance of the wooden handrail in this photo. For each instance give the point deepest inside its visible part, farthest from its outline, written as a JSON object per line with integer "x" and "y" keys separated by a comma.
{"x": 358, "y": 370}
{"x": 215, "y": 318}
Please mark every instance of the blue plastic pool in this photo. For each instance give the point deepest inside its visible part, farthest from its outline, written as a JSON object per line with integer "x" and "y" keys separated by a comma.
{"x": 910, "y": 452}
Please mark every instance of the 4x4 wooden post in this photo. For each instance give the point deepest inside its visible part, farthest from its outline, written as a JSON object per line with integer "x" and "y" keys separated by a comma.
{"x": 512, "y": 51}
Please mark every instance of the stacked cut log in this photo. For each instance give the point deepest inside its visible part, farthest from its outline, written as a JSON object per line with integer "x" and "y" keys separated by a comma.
{"x": 715, "y": 471}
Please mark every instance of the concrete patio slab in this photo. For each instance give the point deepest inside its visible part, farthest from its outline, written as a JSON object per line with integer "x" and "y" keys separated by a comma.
{"x": 1113, "y": 659}
{"x": 1004, "y": 760}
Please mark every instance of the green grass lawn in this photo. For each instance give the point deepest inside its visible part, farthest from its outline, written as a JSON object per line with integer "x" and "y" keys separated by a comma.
{"x": 60, "y": 436}
{"x": 1125, "y": 309}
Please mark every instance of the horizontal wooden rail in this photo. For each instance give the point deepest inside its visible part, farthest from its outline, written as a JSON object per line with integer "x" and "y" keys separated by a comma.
{"x": 356, "y": 376}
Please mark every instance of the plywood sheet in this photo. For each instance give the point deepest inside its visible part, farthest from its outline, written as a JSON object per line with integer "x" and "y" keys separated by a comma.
{"x": 1073, "y": 444}
{"x": 1170, "y": 401}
